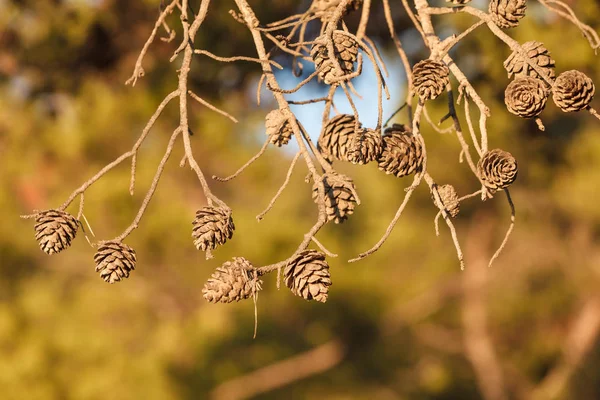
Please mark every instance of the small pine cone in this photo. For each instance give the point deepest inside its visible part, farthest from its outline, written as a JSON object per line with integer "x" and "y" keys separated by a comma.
{"x": 340, "y": 198}
{"x": 364, "y": 147}
{"x": 233, "y": 281}
{"x": 325, "y": 8}
{"x": 517, "y": 66}
{"x": 458, "y": 2}
{"x": 573, "y": 91}
{"x": 55, "y": 230}
{"x": 212, "y": 227}
{"x": 430, "y": 78}
{"x": 333, "y": 142}
{"x": 307, "y": 275}
{"x": 449, "y": 199}
{"x": 114, "y": 261}
{"x": 497, "y": 169}
{"x": 346, "y": 52}
{"x": 278, "y": 128}
{"x": 402, "y": 153}
{"x": 507, "y": 13}
{"x": 526, "y": 97}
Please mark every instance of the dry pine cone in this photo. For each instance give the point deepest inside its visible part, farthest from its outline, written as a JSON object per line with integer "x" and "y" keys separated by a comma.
{"x": 449, "y": 199}
{"x": 573, "y": 91}
{"x": 517, "y": 66}
{"x": 364, "y": 147}
{"x": 497, "y": 169}
{"x": 430, "y": 78}
{"x": 340, "y": 196}
{"x": 307, "y": 275}
{"x": 402, "y": 153}
{"x": 526, "y": 97}
{"x": 55, "y": 230}
{"x": 233, "y": 281}
{"x": 333, "y": 142}
{"x": 212, "y": 227}
{"x": 346, "y": 53}
{"x": 114, "y": 261}
{"x": 507, "y": 13}
{"x": 278, "y": 128}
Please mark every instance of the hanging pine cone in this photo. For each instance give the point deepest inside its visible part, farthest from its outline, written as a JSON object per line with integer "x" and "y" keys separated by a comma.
{"x": 233, "y": 281}
{"x": 430, "y": 78}
{"x": 278, "y": 128}
{"x": 458, "y": 2}
{"x": 526, "y": 97}
{"x": 346, "y": 52}
{"x": 449, "y": 199}
{"x": 573, "y": 91}
{"x": 402, "y": 153}
{"x": 507, "y": 13}
{"x": 325, "y": 8}
{"x": 307, "y": 275}
{"x": 364, "y": 147}
{"x": 334, "y": 140}
{"x": 517, "y": 66}
{"x": 55, "y": 230}
{"x": 497, "y": 169}
{"x": 114, "y": 261}
{"x": 212, "y": 227}
{"x": 340, "y": 198}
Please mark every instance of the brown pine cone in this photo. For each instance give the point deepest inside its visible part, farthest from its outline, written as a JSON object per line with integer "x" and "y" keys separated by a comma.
{"x": 55, "y": 230}
{"x": 233, "y": 281}
{"x": 364, "y": 147}
{"x": 346, "y": 52}
{"x": 507, "y": 13}
{"x": 212, "y": 227}
{"x": 449, "y": 199}
{"x": 430, "y": 78}
{"x": 573, "y": 91}
{"x": 325, "y": 8}
{"x": 114, "y": 261}
{"x": 334, "y": 140}
{"x": 516, "y": 65}
{"x": 307, "y": 275}
{"x": 340, "y": 199}
{"x": 278, "y": 128}
{"x": 526, "y": 97}
{"x": 497, "y": 169}
{"x": 402, "y": 153}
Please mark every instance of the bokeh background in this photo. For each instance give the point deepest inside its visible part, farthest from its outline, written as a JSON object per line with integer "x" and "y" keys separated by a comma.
{"x": 405, "y": 323}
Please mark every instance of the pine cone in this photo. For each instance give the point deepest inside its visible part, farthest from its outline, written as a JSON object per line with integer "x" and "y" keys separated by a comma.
{"x": 458, "y": 2}
{"x": 526, "y": 97}
{"x": 278, "y": 128}
{"x": 430, "y": 78}
{"x": 346, "y": 52}
{"x": 517, "y": 66}
{"x": 507, "y": 13}
{"x": 573, "y": 91}
{"x": 212, "y": 227}
{"x": 55, "y": 230}
{"x": 449, "y": 199}
{"x": 233, "y": 281}
{"x": 333, "y": 142}
{"x": 340, "y": 199}
{"x": 325, "y": 8}
{"x": 497, "y": 169}
{"x": 364, "y": 147}
{"x": 402, "y": 153}
{"x": 114, "y": 261}
{"x": 307, "y": 275}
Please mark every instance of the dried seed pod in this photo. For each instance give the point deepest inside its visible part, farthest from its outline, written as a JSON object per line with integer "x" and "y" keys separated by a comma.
{"x": 516, "y": 65}
{"x": 402, "y": 153}
{"x": 307, "y": 275}
{"x": 507, "y": 13}
{"x": 497, "y": 169}
{"x": 430, "y": 78}
{"x": 55, "y": 230}
{"x": 346, "y": 53}
{"x": 458, "y": 2}
{"x": 573, "y": 91}
{"x": 212, "y": 227}
{"x": 233, "y": 281}
{"x": 334, "y": 140}
{"x": 115, "y": 261}
{"x": 340, "y": 198}
{"x": 278, "y": 128}
{"x": 449, "y": 199}
{"x": 526, "y": 97}
{"x": 325, "y": 8}
{"x": 365, "y": 146}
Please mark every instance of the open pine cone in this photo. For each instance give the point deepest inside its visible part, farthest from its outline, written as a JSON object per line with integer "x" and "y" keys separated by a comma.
{"x": 430, "y": 78}
{"x": 233, "y": 281}
{"x": 402, "y": 153}
{"x": 278, "y": 128}
{"x": 334, "y": 140}
{"x": 114, "y": 261}
{"x": 517, "y": 66}
{"x": 212, "y": 227}
{"x": 365, "y": 146}
{"x": 449, "y": 199}
{"x": 507, "y": 13}
{"x": 346, "y": 53}
{"x": 573, "y": 91}
{"x": 55, "y": 230}
{"x": 497, "y": 169}
{"x": 307, "y": 275}
{"x": 340, "y": 199}
{"x": 526, "y": 97}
